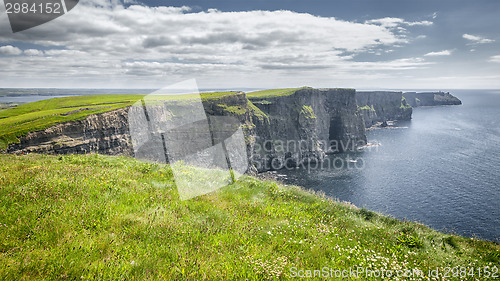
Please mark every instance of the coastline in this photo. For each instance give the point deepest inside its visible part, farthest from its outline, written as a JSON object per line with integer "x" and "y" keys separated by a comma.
{"x": 79, "y": 216}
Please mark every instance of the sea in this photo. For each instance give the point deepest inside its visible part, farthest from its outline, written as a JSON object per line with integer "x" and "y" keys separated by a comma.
{"x": 441, "y": 169}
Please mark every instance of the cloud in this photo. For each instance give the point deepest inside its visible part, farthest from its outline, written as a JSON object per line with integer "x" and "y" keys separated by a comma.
{"x": 396, "y": 22}
{"x": 386, "y": 22}
{"x": 109, "y": 41}
{"x": 495, "y": 59}
{"x": 477, "y": 39}
{"x": 10, "y": 50}
{"x": 424, "y": 23}
{"x": 33, "y": 52}
{"x": 440, "y": 53}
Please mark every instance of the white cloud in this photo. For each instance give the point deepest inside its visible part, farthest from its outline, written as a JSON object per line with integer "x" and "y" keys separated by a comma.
{"x": 396, "y": 22}
{"x": 477, "y": 39}
{"x": 495, "y": 59}
{"x": 105, "y": 40}
{"x": 386, "y": 22}
{"x": 440, "y": 53}
{"x": 33, "y": 52}
{"x": 424, "y": 23}
{"x": 10, "y": 50}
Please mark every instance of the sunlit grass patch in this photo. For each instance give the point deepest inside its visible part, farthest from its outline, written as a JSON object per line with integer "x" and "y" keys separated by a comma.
{"x": 113, "y": 218}
{"x": 19, "y": 121}
{"x": 272, "y": 93}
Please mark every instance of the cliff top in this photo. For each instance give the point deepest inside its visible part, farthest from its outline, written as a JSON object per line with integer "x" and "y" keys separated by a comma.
{"x": 79, "y": 216}
{"x": 273, "y": 92}
{"x": 19, "y": 121}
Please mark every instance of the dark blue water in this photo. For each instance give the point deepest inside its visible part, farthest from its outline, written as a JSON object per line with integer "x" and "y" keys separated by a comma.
{"x": 441, "y": 169}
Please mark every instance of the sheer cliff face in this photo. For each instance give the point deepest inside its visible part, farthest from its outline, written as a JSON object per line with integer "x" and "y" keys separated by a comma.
{"x": 302, "y": 127}
{"x": 380, "y": 106}
{"x": 431, "y": 99}
{"x": 278, "y": 131}
{"x": 105, "y": 133}
{"x": 110, "y": 132}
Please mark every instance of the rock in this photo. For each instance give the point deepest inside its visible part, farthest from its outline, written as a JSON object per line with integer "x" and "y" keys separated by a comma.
{"x": 279, "y": 131}
{"x": 382, "y": 106}
{"x": 105, "y": 133}
{"x": 301, "y": 127}
{"x": 431, "y": 99}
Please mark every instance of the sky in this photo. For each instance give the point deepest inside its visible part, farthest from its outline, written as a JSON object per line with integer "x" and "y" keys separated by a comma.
{"x": 234, "y": 44}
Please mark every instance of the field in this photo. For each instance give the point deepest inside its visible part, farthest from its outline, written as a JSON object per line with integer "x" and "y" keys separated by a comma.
{"x": 81, "y": 217}
{"x": 272, "y": 93}
{"x": 17, "y": 122}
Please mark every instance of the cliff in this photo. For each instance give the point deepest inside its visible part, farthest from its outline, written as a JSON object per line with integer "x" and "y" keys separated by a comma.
{"x": 305, "y": 125}
{"x": 279, "y": 130}
{"x": 382, "y": 106}
{"x": 430, "y": 99}
{"x": 105, "y": 133}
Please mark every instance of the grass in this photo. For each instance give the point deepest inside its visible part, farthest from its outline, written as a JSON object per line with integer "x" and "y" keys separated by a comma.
{"x": 191, "y": 96}
{"x": 113, "y": 218}
{"x": 273, "y": 93}
{"x": 257, "y": 113}
{"x": 307, "y": 112}
{"x": 234, "y": 109}
{"x": 366, "y": 107}
{"x": 19, "y": 121}
{"x": 404, "y": 104}
{"x": 7, "y": 105}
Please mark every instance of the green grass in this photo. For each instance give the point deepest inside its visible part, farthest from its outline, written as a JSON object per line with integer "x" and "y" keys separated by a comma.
{"x": 233, "y": 109}
{"x": 191, "y": 96}
{"x": 273, "y": 93}
{"x": 257, "y": 113}
{"x": 19, "y": 121}
{"x": 7, "y": 105}
{"x": 404, "y": 104}
{"x": 114, "y": 218}
{"x": 307, "y": 112}
{"x": 366, "y": 107}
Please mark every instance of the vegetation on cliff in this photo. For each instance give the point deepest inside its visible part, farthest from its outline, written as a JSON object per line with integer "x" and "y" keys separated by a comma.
{"x": 18, "y": 121}
{"x": 35, "y": 116}
{"x": 307, "y": 112}
{"x": 366, "y": 107}
{"x": 273, "y": 93}
{"x": 112, "y": 218}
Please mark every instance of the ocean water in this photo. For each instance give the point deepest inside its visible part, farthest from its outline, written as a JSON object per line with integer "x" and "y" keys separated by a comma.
{"x": 442, "y": 168}
{"x": 28, "y": 98}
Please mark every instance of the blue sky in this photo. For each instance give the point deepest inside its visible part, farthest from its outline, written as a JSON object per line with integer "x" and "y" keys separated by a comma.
{"x": 259, "y": 44}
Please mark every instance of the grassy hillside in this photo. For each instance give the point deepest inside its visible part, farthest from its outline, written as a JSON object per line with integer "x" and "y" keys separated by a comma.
{"x": 17, "y": 122}
{"x": 272, "y": 93}
{"x": 113, "y": 218}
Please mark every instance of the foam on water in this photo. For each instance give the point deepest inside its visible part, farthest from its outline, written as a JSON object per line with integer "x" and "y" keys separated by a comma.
{"x": 442, "y": 170}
